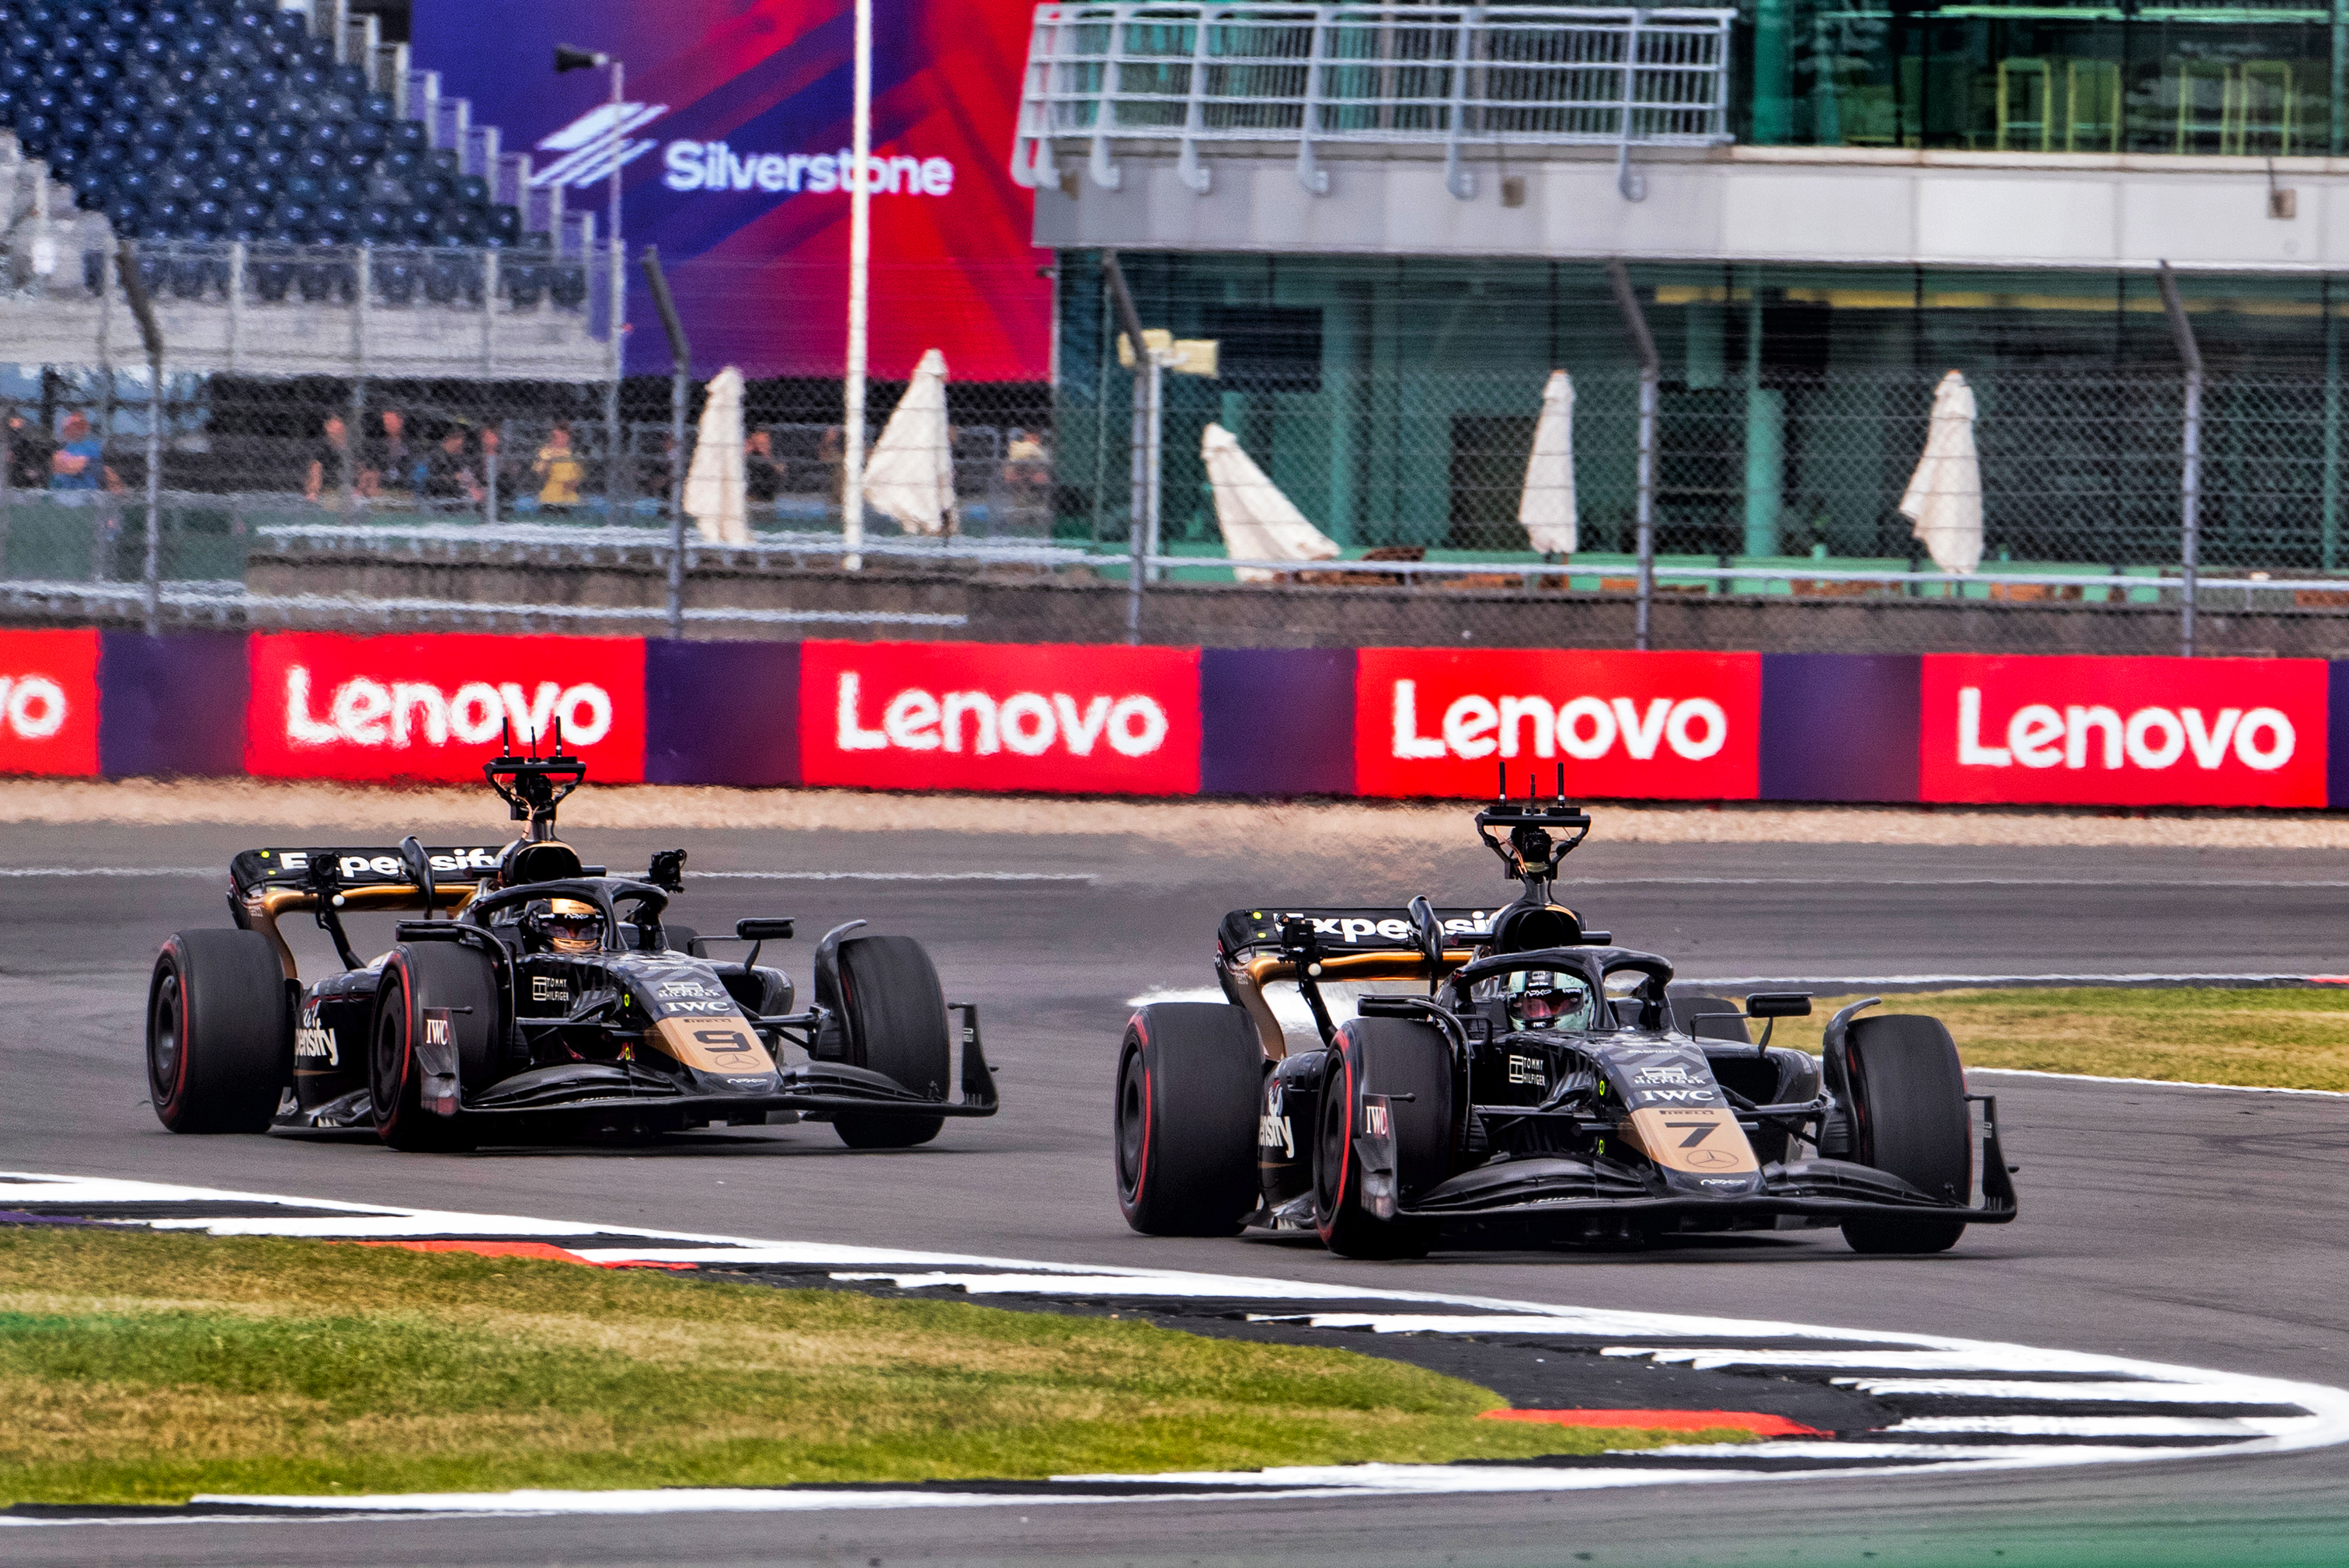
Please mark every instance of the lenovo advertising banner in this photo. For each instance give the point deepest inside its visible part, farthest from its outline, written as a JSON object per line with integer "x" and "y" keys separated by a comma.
{"x": 48, "y": 703}
{"x": 2123, "y": 732}
{"x": 364, "y": 708}
{"x": 733, "y": 150}
{"x": 1062, "y": 719}
{"x": 1675, "y": 726}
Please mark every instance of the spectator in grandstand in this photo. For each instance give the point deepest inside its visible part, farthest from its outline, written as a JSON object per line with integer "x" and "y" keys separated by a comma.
{"x": 762, "y": 472}
{"x": 832, "y": 457}
{"x": 493, "y": 469}
{"x": 561, "y": 469}
{"x": 389, "y": 463}
{"x": 330, "y": 462}
{"x": 1026, "y": 469}
{"x": 80, "y": 462}
{"x": 30, "y": 450}
{"x": 449, "y": 474}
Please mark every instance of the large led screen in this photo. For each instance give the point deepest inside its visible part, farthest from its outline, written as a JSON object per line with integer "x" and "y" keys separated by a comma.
{"x": 734, "y": 137}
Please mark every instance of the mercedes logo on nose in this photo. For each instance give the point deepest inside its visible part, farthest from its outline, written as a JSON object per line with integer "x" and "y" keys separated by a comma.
{"x": 1710, "y": 1158}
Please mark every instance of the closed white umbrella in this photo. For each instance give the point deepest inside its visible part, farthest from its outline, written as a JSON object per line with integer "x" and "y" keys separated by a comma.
{"x": 1258, "y": 522}
{"x": 910, "y": 476}
{"x": 714, "y": 494}
{"x": 1944, "y": 496}
{"x": 1547, "y": 507}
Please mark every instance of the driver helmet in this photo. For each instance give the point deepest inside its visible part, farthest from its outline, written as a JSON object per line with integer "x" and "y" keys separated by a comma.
{"x": 1542, "y": 999}
{"x": 568, "y": 925}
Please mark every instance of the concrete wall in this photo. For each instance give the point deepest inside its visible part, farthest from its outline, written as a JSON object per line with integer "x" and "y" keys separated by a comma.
{"x": 1746, "y": 203}
{"x": 1016, "y": 606}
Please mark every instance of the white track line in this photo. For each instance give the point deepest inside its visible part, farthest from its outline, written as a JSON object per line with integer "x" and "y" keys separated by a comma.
{"x": 2159, "y": 1083}
{"x": 2321, "y": 1418}
{"x": 2040, "y": 882}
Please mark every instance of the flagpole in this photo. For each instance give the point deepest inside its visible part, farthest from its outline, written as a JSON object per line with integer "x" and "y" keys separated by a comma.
{"x": 860, "y": 257}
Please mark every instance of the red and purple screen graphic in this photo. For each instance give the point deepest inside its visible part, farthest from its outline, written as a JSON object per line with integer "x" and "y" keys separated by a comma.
{"x": 733, "y": 138}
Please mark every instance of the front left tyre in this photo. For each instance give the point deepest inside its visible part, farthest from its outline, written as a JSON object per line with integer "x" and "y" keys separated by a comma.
{"x": 220, "y": 1031}
{"x": 1908, "y": 1093}
{"x": 1405, "y": 1068}
{"x": 894, "y": 1013}
{"x": 417, "y": 979}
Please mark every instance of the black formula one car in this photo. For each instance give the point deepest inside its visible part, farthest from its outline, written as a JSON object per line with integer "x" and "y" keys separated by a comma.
{"x": 550, "y": 999}
{"x": 1513, "y": 1076}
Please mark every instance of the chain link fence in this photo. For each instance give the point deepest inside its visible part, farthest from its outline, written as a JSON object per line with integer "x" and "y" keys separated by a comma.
{"x": 470, "y": 496}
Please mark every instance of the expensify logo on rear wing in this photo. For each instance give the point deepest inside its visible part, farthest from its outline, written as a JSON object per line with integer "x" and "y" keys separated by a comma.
{"x": 360, "y": 868}
{"x": 2041, "y": 729}
{"x": 325, "y": 706}
{"x": 1372, "y": 930}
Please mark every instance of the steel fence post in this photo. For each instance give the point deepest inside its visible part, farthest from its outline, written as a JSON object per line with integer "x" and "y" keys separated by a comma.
{"x": 364, "y": 275}
{"x": 8, "y": 412}
{"x": 135, "y": 288}
{"x": 681, "y": 357}
{"x": 2190, "y": 488}
{"x": 1142, "y": 482}
{"x": 1644, "y": 344}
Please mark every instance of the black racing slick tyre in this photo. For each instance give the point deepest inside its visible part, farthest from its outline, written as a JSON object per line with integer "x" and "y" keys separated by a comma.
{"x": 1410, "y": 1065}
{"x": 417, "y": 978}
{"x": 896, "y": 1020}
{"x": 1909, "y": 1118}
{"x": 220, "y": 1031}
{"x": 1190, "y": 1084}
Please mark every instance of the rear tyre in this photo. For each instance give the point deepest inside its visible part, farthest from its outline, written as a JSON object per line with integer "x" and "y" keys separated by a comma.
{"x": 1908, "y": 1118}
{"x": 896, "y": 1019}
{"x": 1190, "y": 1079}
{"x": 1410, "y": 1064}
{"x": 428, "y": 975}
{"x": 220, "y": 1031}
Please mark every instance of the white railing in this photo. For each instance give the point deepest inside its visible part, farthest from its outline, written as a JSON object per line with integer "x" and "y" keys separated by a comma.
{"x": 1453, "y": 76}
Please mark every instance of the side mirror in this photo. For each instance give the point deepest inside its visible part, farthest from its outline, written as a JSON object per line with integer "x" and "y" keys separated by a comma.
{"x": 760, "y": 931}
{"x": 780, "y": 931}
{"x": 419, "y": 870}
{"x": 1779, "y": 1005}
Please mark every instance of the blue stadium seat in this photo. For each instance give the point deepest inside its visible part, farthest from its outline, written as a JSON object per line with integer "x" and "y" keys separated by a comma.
{"x": 187, "y": 119}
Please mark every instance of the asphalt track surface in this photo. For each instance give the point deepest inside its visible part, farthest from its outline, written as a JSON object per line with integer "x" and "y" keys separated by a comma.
{"x": 2177, "y": 1225}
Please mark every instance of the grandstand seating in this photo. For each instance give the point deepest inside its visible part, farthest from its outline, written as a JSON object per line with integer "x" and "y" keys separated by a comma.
{"x": 287, "y": 129}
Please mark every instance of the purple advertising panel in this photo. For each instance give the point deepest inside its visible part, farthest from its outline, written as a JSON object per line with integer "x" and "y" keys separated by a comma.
{"x": 733, "y": 144}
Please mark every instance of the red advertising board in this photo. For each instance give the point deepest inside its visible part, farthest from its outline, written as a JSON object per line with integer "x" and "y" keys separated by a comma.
{"x": 48, "y": 703}
{"x": 2122, "y": 732}
{"x": 967, "y": 716}
{"x": 329, "y": 707}
{"x": 1627, "y": 726}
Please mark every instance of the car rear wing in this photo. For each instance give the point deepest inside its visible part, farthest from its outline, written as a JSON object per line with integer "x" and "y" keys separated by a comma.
{"x": 366, "y": 866}
{"x": 1246, "y": 934}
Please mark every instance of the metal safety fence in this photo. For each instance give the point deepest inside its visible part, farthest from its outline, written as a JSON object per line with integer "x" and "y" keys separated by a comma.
{"x": 1708, "y": 503}
{"x": 1196, "y": 75}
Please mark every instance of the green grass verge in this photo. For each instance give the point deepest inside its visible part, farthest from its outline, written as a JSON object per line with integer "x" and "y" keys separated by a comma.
{"x": 140, "y": 1367}
{"x": 2279, "y": 1039}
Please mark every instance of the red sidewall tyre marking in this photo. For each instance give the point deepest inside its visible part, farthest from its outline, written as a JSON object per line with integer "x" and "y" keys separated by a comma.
{"x": 1345, "y": 1148}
